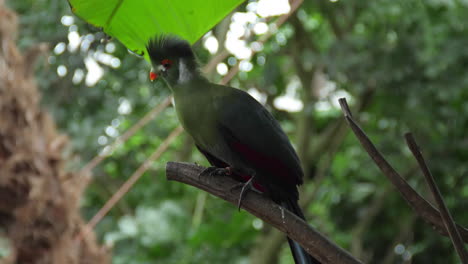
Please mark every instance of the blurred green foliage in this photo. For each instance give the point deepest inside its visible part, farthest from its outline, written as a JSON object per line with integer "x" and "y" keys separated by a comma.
{"x": 403, "y": 63}
{"x": 134, "y": 23}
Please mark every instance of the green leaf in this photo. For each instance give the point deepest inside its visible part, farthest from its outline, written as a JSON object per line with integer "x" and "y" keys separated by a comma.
{"x": 135, "y": 22}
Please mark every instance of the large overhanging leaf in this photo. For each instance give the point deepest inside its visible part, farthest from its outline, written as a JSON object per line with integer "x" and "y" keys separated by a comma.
{"x": 134, "y": 22}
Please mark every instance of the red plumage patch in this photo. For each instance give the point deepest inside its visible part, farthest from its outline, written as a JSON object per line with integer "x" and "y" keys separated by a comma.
{"x": 273, "y": 166}
{"x": 255, "y": 184}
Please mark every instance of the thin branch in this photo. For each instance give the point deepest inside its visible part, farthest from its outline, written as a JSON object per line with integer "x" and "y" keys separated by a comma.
{"x": 120, "y": 140}
{"x": 129, "y": 183}
{"x": 294, "y": 227}
{"x": 211, "y": 65}
{"x": 422, "y": 207}
{"x": 329, "y": 136}
{"x": 444, "y": 212}
{"x": 345, "y": 107}
{"x": 329, "y": 142}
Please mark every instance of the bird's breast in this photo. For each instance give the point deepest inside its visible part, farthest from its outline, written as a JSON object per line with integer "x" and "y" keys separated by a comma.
{"x": 198, "y": 118}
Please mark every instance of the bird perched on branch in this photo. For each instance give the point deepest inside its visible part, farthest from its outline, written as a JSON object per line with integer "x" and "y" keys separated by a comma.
{"x": 232, "y": 130}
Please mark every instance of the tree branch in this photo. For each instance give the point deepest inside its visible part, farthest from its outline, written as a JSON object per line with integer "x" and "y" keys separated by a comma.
{"x": 422, "y": 207}
{"x": 444, "y": 212}
{"x": 294, "y": 227}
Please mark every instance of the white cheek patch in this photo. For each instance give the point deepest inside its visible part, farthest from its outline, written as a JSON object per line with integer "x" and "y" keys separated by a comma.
{"x": 161, "y": 68}
{"x": 184, "y": 74}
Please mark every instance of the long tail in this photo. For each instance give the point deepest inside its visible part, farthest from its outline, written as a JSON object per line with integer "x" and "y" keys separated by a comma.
{"x": 299, "y": 254}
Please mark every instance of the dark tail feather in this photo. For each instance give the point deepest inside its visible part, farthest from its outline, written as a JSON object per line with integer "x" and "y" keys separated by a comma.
{"x": 299, "y": 254}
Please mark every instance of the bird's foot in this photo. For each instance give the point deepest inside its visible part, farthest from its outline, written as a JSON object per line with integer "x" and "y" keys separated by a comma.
{"x": 247, "y": 186}
{"x": 215, "y": 171}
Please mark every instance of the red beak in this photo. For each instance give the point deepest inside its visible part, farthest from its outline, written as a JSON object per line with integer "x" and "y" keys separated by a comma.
{"x": 153, "y": 76}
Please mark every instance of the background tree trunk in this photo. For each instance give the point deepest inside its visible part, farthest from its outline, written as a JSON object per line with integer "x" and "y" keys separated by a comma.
{"x": 39, "y": 199}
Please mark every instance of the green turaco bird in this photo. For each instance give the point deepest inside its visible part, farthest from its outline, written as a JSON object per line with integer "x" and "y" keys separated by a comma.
{"x": 230, "y": 128}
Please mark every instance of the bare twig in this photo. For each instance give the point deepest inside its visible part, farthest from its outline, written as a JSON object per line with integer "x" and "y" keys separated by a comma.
{"x": 222, "y": 186}
{"x": 141, "y": 123}
{"x": 345, "y": 107}
{"x": 211, "y": 65}
{"x": 444, "y": 212}
{"x": 422, "y": 207}
{"x": 130, "y": 182}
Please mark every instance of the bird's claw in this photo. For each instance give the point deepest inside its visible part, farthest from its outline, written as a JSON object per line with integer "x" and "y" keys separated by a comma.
{"x": 245, "y": 187}
{"x": 214, "y": 171}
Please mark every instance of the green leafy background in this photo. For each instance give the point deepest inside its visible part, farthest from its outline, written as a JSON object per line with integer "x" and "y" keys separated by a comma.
{"x": 404, "y": 59}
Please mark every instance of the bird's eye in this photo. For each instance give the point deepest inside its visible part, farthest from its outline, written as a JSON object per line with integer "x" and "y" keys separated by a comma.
{"x": 166, "y": 63}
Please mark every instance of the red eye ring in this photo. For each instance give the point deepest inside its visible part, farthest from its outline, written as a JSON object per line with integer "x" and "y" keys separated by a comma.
{"x": 166, "y": 63}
